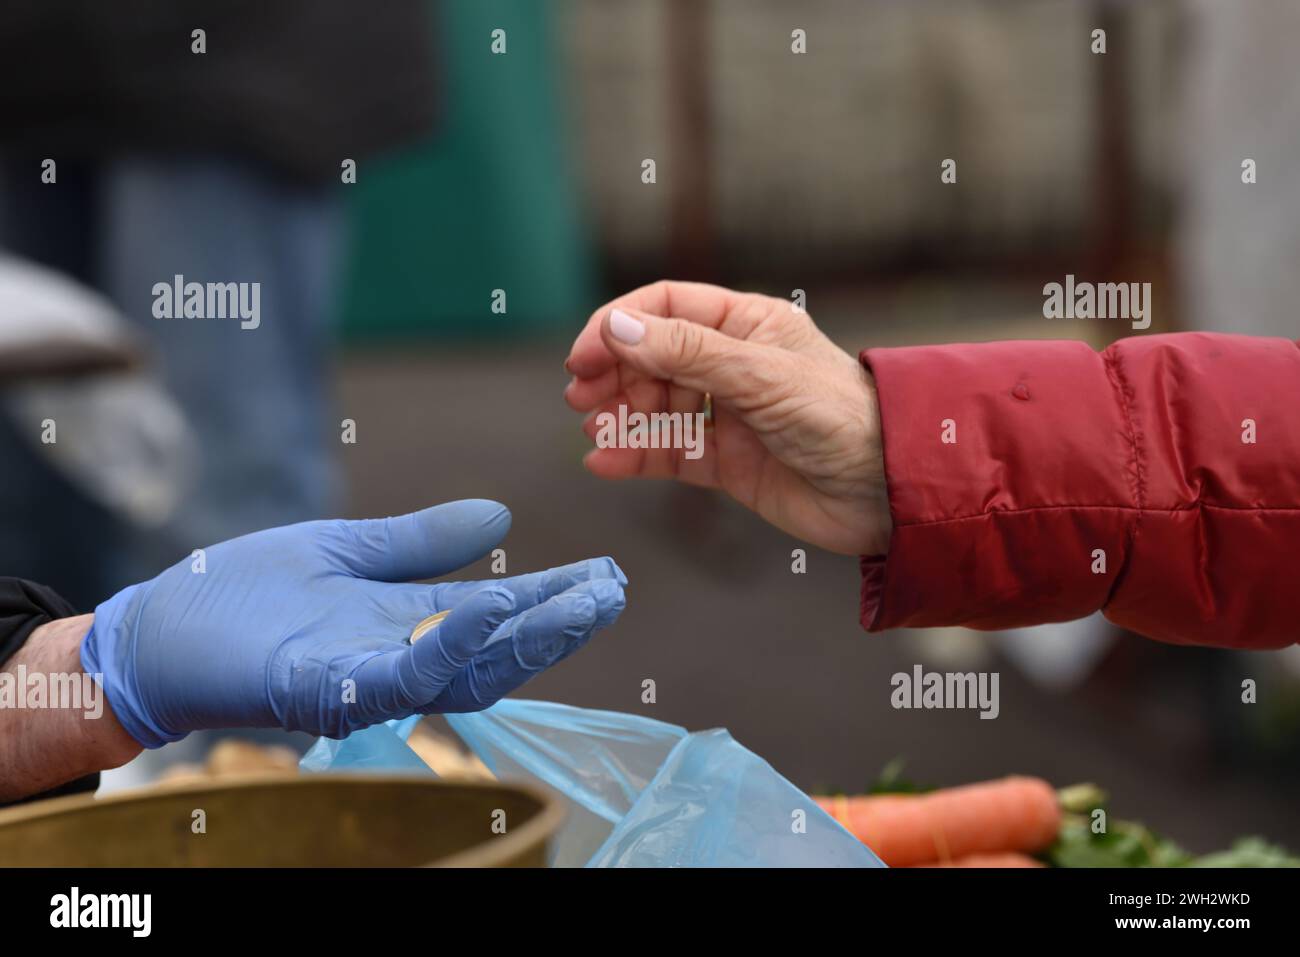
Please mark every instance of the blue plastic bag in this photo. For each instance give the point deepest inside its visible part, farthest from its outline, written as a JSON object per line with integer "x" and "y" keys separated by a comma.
{"x": 641, "y": 793}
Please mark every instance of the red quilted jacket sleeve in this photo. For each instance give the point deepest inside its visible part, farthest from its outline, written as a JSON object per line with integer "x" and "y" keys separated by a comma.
{"x": 1031, "y": 482}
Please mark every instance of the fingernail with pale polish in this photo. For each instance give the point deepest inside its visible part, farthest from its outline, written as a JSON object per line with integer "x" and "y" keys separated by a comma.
{"x": 626, "y": 329}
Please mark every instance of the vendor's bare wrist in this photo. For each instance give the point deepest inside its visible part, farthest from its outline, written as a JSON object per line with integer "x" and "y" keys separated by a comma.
{"x": 46, "y": 746}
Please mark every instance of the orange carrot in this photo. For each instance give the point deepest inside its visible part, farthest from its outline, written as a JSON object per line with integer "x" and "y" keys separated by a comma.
{"x": 1011, "y": 814}
{"x": 1003, "y": 859}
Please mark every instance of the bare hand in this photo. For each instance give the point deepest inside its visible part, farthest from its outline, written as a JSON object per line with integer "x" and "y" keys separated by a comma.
{"x": 796, "y": 429}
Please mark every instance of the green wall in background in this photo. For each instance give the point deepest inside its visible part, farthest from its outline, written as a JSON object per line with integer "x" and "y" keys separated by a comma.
{"x": 490, "y": 202}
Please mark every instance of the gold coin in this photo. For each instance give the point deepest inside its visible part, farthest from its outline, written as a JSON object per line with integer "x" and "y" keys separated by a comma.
{"x": 427, "y": 625}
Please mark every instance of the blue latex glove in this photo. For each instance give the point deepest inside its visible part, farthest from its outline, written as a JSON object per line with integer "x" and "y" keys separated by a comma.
{"x": 270, "y": 634}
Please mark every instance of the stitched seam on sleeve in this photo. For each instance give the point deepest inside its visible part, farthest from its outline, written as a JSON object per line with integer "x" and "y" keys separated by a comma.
{"x": 1137, "y": 477}
{"x": 1115, "y": 371}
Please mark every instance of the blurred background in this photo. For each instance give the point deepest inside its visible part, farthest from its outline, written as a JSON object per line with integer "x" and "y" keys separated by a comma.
{"x": 499, "y": 198}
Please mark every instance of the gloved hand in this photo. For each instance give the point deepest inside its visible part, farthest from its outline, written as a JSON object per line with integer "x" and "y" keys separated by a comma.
{"x": 305, "y": 627}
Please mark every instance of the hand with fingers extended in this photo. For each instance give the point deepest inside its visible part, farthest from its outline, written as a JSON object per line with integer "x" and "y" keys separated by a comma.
{"x": 305, "y": 627}
{"x": 796, "y": 430}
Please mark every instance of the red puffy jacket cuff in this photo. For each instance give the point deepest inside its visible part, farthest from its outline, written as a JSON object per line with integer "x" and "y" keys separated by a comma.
{"x": 1041, "y": 481}
{"x": 975, "y": 496}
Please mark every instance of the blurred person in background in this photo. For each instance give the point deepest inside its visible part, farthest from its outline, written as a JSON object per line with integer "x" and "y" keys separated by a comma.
{"x": 214, "y": 157}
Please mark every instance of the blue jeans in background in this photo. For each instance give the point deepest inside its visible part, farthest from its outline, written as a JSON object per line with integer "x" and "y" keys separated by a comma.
{"x": 257, "y": 399}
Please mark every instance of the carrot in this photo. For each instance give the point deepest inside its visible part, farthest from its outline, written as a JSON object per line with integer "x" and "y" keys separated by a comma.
{"x": 1001, "y": 859}
{"x": 1011, "y": 814}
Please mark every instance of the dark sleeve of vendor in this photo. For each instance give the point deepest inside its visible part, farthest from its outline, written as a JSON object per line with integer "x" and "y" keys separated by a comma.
{"x": 24, "y": 607}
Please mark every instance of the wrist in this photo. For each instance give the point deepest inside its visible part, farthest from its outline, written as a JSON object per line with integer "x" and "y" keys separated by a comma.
{"x": 103, "y": 655}
{"x": 60, "y": 726}
{"x": 877, "y": 492}
{"x": 104, "y": 741}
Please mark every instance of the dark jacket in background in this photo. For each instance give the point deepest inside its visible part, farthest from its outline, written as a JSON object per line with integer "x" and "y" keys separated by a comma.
{"x": 299, "y": 85}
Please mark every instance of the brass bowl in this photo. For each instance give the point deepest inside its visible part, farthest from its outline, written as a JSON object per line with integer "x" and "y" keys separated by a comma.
{"x": 316, "y": 820}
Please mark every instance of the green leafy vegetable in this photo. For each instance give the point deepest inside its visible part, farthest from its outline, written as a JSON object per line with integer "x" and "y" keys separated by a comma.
{"x": 1249, "y": 852}
{"x": 1129, "y": 844}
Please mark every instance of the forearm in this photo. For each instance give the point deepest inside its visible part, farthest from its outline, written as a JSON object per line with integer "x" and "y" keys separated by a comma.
{"x": 55, "y": 722}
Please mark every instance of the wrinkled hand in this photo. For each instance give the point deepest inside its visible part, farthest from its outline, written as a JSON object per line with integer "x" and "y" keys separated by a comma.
{"x": 305, "y": 627}
{"x": 796, "y": 433}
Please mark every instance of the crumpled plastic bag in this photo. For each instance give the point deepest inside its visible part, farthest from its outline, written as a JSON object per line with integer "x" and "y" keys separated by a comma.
{"x": 640, "y": 792}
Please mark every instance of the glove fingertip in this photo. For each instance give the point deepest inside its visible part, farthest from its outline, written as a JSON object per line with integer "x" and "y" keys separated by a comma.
{"x": 492, "y": 514}
{"x": 612, "y": 566}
